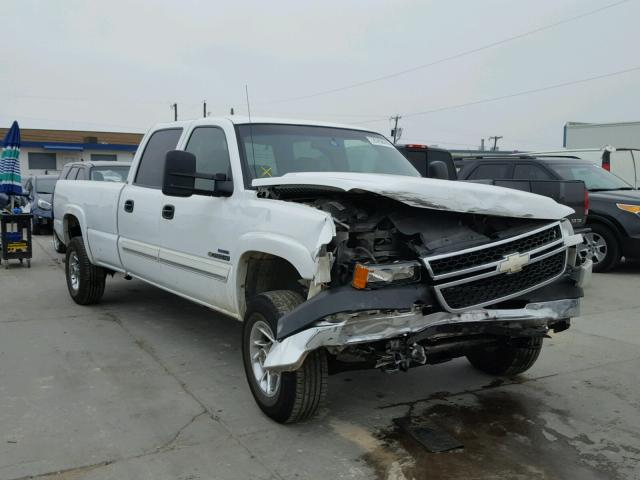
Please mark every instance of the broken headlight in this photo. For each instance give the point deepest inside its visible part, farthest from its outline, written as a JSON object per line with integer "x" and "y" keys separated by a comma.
{"x": 379, "y": 275}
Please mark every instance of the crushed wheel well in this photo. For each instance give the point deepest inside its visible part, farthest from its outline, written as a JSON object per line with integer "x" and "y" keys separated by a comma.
{"x": 265, "y": 272}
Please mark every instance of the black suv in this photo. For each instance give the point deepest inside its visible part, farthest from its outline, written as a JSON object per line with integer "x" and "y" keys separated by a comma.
{"x": 614, "y": 206}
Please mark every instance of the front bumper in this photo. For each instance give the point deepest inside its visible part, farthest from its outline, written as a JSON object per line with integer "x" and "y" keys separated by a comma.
{"x": 343, "y": 330}
{"x": 42, "y": 217}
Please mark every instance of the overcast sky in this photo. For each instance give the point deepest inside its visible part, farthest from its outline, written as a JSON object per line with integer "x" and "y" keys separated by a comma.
{"x": 118, "y": 65}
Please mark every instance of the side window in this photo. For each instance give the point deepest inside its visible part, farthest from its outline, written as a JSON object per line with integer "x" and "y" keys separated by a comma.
{"x": 73, "y": 173}
{"x": 492, "y": 171}
{"x": 65, "y": 172}
{"x": 209, "y": 145}
{"x": 151, "y": 166}
{"x": 530, "y": 171}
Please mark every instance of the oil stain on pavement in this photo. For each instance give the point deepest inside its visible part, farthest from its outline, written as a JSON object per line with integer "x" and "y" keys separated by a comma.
{"x": 506, "y": 435}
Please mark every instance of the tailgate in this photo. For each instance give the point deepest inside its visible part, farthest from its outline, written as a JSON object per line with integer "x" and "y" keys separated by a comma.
{"x": 571, "y": 193}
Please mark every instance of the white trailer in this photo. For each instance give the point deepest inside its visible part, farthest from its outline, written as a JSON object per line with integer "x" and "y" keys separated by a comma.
{"x": 597, "y": 135}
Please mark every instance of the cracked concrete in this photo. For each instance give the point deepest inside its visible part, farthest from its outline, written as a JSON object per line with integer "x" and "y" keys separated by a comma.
{"x": 147, "y": 385}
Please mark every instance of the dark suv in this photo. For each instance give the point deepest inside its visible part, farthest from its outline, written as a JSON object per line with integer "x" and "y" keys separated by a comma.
{"x": 614, "y": 206}
{"x": 38, "y": 189}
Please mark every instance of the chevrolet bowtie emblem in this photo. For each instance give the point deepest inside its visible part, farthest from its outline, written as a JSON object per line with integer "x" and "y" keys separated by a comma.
{"x": 513, "y": 263}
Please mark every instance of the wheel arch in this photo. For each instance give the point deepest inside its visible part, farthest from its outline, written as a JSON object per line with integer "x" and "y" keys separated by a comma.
{"x": 74, "y": 225}
{"x": 258, "y": 271}
{"x": 612, "y": 223}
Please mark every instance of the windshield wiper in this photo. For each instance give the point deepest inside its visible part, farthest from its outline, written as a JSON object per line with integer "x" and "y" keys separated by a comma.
{"x": 609, "y": 189}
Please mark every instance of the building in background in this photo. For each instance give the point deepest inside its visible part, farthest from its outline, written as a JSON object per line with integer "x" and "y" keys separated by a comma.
{"x": 598, "y": 135}
{"x": 47, "y": 151}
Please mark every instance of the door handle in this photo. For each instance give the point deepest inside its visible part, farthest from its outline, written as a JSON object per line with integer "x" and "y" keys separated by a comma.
{"x": 168, "y": 211}
{"x": 128, "y": 206}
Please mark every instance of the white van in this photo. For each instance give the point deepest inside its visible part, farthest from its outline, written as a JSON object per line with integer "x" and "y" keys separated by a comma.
{"x": 622, "y": 162}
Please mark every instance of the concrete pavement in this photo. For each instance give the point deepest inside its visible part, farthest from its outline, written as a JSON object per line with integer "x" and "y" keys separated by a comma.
{"x": 149, "y": 386}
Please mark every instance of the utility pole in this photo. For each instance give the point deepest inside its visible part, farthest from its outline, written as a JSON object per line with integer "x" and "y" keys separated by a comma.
{"x": 175, "y": 111}
{"x": 495, "y": 142}
{"x": 204, "y": 108}
{"x": 395, "y": 132}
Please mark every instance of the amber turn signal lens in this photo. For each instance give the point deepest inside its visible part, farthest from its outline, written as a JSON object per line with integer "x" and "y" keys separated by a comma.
{"x": 360, "y": 276}
{"x": 629, "y": 208}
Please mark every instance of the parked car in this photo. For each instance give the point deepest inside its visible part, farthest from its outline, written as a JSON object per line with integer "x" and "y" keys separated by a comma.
{"x": 100, "y": 171}
{"x": 439, "y": 163}
{"x": 614, "y": 206}
{"x": 332, "y": 249}
{"x": 39, "y": 189}
{"x": 622, "y": 162}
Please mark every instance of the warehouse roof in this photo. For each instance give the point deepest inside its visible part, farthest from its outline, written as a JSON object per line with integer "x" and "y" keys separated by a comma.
{"x": 77, "y": 139}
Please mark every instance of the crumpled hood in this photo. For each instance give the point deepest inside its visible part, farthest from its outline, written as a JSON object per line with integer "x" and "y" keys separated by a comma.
{"x": 463, "y": 197}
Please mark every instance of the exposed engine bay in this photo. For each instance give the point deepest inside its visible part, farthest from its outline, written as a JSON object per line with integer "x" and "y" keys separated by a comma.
{"x": 474, "y": 271}
{"x": 372, "y": 229}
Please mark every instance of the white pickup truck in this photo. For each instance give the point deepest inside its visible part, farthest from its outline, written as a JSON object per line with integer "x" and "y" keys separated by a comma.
{"x": 331, "y": 249}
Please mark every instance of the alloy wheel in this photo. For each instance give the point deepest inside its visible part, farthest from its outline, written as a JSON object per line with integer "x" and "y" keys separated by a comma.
{"x": 594, "y": 247}
{"x": 261, "y": 341}
{"x": 74, "y": 271}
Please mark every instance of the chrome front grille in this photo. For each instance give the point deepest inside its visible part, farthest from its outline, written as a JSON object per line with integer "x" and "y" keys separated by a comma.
{"x": 500, "y": 270}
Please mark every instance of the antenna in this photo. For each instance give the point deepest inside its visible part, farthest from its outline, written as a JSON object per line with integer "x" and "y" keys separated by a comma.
{"x": 246, "y": 92}
{"x": 253, "y": 148}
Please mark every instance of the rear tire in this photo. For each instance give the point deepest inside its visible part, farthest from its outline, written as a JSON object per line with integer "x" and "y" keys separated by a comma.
{"x": 85, "y": 281}
{"x": 35, "y": 227}
{"x": 507, "y": 359}
{"x": 287, "y": 397}
{"x": 58, "y": 246}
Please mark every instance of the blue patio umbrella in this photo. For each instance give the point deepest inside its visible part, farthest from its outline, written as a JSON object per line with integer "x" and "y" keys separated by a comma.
{"x": 10, "y": 181}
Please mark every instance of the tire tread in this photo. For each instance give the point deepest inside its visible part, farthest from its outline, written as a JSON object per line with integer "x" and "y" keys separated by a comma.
{"x": 310, "y": 380}
{"x": 92, "y": 277}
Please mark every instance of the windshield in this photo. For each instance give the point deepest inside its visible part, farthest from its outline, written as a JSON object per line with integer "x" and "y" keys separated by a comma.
{"x": 110, "y": 174}
{"x": 45, "y": 185}
{"x": 593, "y": 176}
{"x": 273, "y": 150}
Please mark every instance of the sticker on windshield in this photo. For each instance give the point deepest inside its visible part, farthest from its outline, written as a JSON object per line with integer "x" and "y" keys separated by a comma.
{"x": 379, "y": 141}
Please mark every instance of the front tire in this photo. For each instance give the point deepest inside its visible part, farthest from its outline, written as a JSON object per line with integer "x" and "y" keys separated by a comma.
{"x": 85, "y": 281}
{"x": 286, "y": 397}
{"x": 507, "y": 360}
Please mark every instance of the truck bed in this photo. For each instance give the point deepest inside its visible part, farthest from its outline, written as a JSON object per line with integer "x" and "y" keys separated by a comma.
{"x": 97, "y": 202}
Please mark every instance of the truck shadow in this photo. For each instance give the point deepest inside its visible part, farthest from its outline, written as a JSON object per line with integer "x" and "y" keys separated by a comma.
{"x": 501, "y": 427}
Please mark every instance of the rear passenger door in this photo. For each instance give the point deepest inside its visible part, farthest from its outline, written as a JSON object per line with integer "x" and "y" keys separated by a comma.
{"x": 140, "y": 208}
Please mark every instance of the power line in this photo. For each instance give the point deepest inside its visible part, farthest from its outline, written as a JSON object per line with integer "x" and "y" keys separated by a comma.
{"x": 451, "y": 57}
{"x": 517, "y": 94}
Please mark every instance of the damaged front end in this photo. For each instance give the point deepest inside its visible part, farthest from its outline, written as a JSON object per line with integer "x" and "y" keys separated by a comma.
{"x": 411, "y": 286}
